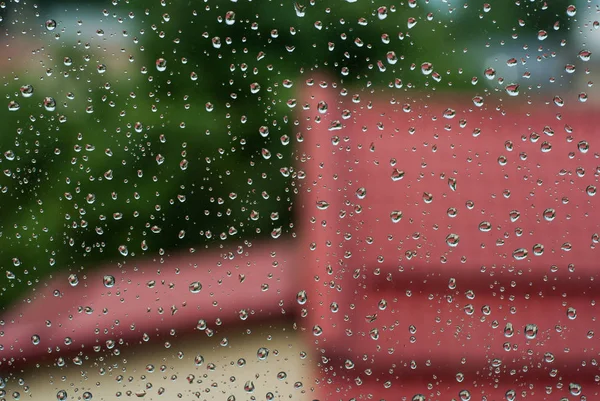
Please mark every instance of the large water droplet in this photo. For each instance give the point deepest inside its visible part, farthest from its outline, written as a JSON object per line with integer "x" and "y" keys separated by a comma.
{"x": 161, "y": 64}
{"x": 109, "y": 281}
{"x": 50, "y": 25}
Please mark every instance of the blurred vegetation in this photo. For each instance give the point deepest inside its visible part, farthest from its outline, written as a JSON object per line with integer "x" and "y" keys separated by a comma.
{"x": 88, "y": 177}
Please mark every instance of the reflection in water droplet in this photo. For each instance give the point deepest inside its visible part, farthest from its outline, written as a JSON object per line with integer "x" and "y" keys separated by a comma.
{"x": 50, "y": 25}
{"x": 485, "y": 226}
{"x": 73, "y": 279}
{"x": 520, "y": 253}
{"x": 302, "y": 297}
{"x": 195, "y": 287}
{"x": 109, "y": 281}
{"x": 397, "y": 175}
{"x": 26, "y": 90}
{"x": 512, "y": 89}
{"x": 262, "y": 353}
{"x": 322, "y": 205}
{"x": 531, "y": 331}
{"x": 452, "y": 240}
{"x": 35, "y": 339}
{"x": 13, "y": 105}
{"x": 426, "y": 68}
{"x": 396, "y": 216}
{"x": 511, "y": 395}
{"x": 575, "y": 389}
{"x": 49, "y": 103}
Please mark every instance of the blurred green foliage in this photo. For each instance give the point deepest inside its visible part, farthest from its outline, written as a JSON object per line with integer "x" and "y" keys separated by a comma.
{"x": 84, "y": 182}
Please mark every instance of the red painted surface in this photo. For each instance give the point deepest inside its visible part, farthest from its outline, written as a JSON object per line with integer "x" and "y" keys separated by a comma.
{"x": 362, "y": 257}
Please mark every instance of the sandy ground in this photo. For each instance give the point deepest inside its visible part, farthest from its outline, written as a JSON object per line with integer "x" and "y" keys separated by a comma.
{"x": 155, "y": 371}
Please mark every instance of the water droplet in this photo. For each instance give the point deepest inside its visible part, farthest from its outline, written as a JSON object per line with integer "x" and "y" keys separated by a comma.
{"x": 50, "y": 25}
{"x": 452, "y": 240}
{"x": 26, "y": 90}
{"x": 391, "y": 57}
{"x": 161, "y": 64}
{"x": 35, "y": 339}
{"x": 591, "y": 190}
{"x": 464, "y": 395}
{"x": 262, "y": 353}
{"x": 123, "y": 250}
{"x": 485, "y": 226}
{"x": 426, "y": 68}
{"x": 230, "y": 18}
{"x": 549, "y": 214}
{"x": 449, "y": 113}
{"x": 322, "y": 205}
{"x": 570, "y": 68}
{"x": 585, "y": 55}
{"x": 195, "y": 287}
{"x": 361, "y": 193}
{"x": 510, "y": 395}
{"x": 478, "y": 101}
{"x": 302, "y": 297}
{"x": 109, "y": 281}
{"x": 396, "y": 216}
{"x": 520, "y": 254}
{"x": 571, "y": 10}
{"x": 300, "y": 9}
{"x": 490, "y": 73}
{"x": 397, "y": 175}
{"x": 559, "y": 101}
{"x": 512, "y": 89}
{"x": 382, "y": 305}
{"x": 73, "y": 280}
{"x": 531, "y": 331}
{"x": 49, "y": 103}
{"x": 13, "y": 105}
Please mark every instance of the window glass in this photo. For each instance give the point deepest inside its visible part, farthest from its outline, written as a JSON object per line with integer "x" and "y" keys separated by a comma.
{"x": 321, "y": 200}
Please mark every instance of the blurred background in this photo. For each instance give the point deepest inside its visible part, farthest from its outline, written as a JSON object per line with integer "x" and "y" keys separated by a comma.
{"x": 141, "y": 128}
{"x": 136, "y": 129}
